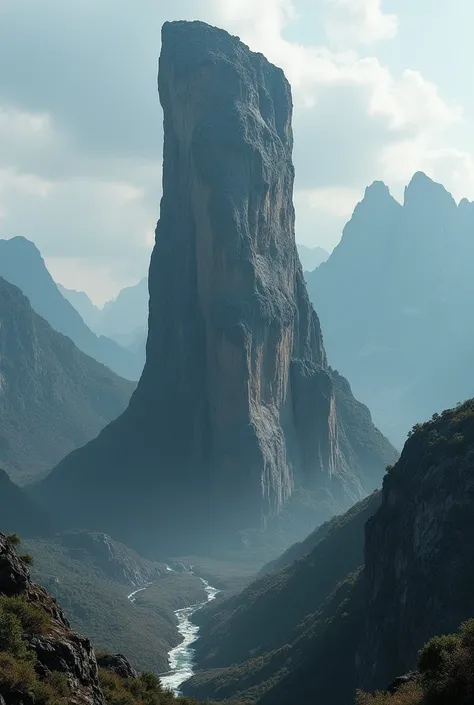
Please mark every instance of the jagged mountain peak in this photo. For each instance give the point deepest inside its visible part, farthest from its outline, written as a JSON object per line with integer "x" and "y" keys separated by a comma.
{"x": 377, "y": 190}
{"x": 21, "y": 242}
{"x": 423, "y": 189}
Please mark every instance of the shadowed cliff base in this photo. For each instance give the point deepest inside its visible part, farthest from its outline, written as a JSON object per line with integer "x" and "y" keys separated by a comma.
{"x": 237, "y": 411}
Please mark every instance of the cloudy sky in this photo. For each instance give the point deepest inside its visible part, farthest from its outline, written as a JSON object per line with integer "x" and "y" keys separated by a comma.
{"x": 382, "y": 88}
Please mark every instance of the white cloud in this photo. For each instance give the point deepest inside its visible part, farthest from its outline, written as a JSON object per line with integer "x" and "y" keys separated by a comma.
{"x": 452, "y": 167}
{"x": 80, "y": 136}
{"x": 359, "y": 22}
{"x": 335, "y": 201}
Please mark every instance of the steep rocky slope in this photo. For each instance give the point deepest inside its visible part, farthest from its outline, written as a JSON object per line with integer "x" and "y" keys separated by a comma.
{"x": 237, "y": 407}
{"x": 44, "y": 662}
{"x": 53, "y": 397}
{"x": 245, "y": 626}
{"x": 328, "y": 632}
{"x": 393, "y": 299}
{"x": 21, "y": 264}
{"x": 419, "y": 547}
{"x": 41, "y": 659}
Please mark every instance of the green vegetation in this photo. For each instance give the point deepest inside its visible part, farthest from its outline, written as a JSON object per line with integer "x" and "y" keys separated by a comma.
{"x": 19, "y": 620}
{"x": 32, "y": 620}
{"x": 27, "y": 558}
{"x": 409, "y": 694}
{"x": 446, "y": 666}
{"x": 13, "y": 539}
{"x": 144, "y": 690}
{"x": 96, "y": 604}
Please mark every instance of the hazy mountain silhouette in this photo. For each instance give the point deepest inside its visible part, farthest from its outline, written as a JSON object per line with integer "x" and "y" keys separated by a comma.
{"x": 237, "y": 407}
{"x": 89, "y": 312}
{"x": 53, "y": 396}
{"x": 394, "y": 300}
{"x": 311, "y": 257}
{"x": 19, "y": 513}
{"x": 21, "y": 264}
{"x": 125, "y": 318}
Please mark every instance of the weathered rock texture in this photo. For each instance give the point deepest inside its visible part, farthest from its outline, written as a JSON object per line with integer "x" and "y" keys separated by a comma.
{"x": 419, "y": 548}
{"x": 59, "y": 649}
{"x": 236, "y": 407}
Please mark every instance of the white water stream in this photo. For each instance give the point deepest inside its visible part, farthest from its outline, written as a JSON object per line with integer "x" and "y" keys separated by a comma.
{"x": 181, "y": 658}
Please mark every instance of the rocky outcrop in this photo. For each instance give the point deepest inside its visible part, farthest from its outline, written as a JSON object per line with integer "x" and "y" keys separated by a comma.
{"x": 53, "y": 397}
{"x": 419, "y": 547}
{"x": 57, "y": 649}
{"x": 237, "y": 407}
{"x": 393, "y": 299}
{"x": 118, "y": 664}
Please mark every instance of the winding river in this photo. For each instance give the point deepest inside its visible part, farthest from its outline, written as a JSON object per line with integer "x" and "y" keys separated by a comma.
{"x": 181, "y": 658}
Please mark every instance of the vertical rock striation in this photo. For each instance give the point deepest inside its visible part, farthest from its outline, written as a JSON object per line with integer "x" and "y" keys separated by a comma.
{"x": 237, "y": 407}
{"x": 419, "y": 547}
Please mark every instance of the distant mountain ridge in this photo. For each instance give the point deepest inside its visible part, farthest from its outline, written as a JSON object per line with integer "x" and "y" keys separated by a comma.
{"x": 21, "y": 264}
{"x": 311, "y": 257}
{"x": 89, "y": 312}
{"x": 123, "y": 319}
{"x": 394, "y": 298}
{"x": 127, "y": 314}
{"x": 53, "y": 396}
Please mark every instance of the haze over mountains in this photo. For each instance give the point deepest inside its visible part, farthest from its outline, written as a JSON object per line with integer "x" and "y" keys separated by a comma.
{"x": 395, "y": 299}
{"x": 54, "y": 398}
{"x": 123, "y": 319}
{"x": 236, "y": 373}
{"x": 21, "y": 264}
{"x": 311, "y": 257}
{"x": 241, "y": 436}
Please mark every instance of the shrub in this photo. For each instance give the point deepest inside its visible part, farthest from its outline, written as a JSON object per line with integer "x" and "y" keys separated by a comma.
{"x": 13, "y": 539}
{"x": 33, "y": 620}
{"x": 409, "y": 694}
{"x": 11, "y": 635}
{"x": 17, "y": 673}
{"x": 58, "y": 683}
{"x": 144, "y": 690}
{"x": 27, "y": 558}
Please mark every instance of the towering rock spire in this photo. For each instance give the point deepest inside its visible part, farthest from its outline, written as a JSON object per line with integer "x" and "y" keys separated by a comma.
{"x": 236, "y": 407}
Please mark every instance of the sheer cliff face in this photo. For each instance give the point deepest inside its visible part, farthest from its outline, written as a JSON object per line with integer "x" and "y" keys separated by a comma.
{"x": 419, "y": 548}
{"x": 238, "y": 313}
{"x": 237, "y": 406}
